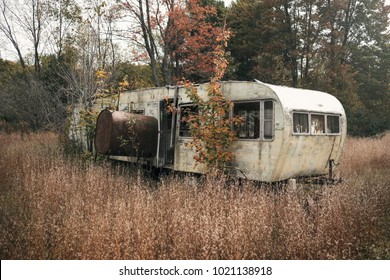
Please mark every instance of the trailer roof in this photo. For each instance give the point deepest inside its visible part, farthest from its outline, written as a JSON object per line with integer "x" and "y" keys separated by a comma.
{"x": 306, "y": 100}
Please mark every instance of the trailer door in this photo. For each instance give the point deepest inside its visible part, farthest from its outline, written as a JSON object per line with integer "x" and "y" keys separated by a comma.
{"x": 167, "y": 134}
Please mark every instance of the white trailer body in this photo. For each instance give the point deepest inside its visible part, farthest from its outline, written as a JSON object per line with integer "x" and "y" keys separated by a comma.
{"x": 287, "y": 132}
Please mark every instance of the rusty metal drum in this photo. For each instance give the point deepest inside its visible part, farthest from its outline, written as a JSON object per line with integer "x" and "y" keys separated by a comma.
{"x": 124, "y": 134}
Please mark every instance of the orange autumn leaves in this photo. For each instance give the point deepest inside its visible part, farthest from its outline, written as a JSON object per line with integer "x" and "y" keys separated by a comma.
{"x": 212, "y": 127}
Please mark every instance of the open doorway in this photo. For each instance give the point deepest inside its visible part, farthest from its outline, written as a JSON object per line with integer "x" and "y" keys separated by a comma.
{"x": 167, "y": 134}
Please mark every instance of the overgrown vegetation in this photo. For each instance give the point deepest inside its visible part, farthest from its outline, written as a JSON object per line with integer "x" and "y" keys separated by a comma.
{"x": 57, "y": 207}
{"x": 210, "y": 127}
{"x": 340, "y": 47}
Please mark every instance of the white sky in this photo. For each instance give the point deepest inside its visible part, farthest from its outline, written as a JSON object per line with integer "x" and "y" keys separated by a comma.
{"x": 227, "y": 2}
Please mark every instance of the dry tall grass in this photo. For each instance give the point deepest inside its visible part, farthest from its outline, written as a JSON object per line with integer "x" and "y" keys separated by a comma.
{"x": 53, "y": 207}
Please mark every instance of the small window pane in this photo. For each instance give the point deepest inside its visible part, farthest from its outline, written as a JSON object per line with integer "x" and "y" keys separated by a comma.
{"x": 317, "y": 124}
{"x": 268, "y": 119}
{"x": 301, "y": 123}
{"x": 250, "y": 113}
{"x": 333, "y": 124}
{"x": 185, "y": 113}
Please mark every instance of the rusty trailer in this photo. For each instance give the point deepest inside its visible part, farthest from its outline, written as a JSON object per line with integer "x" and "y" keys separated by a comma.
{"x": 286, "y": 133}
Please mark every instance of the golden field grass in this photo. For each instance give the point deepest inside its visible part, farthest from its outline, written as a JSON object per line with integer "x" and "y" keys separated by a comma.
{"x": 53, "y": 206}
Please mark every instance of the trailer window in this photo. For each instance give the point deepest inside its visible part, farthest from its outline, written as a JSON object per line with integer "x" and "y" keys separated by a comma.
{"x": 268, "y": 119}
{"x": 185, "y": 113}
{"x": 301, "y": 122}
{"x": 333, "y": 124}
{"x": 250, "y": 113}
{"x": 317, "y": 125}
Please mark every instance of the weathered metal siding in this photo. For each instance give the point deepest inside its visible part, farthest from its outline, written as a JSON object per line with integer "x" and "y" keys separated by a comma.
{"x": 307, "y": 155}
{"x": 253, "y": 159}
{"x": 246, "y": 91}
{"x": 146, "y": 100}
{"x": 184, "y": 158}
{"x": 285, "y": 156}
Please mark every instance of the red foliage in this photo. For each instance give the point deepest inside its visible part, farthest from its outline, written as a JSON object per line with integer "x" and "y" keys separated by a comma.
{"x": 191, "y": 37}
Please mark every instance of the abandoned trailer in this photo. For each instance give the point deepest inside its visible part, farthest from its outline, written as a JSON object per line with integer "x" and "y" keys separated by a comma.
{"x": 286, "y": 132}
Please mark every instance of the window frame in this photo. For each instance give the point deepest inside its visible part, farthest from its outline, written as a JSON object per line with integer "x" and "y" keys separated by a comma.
{"x": 339, "y": 124}
{"x": 180, "y": 130}
{"x": 324, "y": 117}
{"x": 308, "y": 123}
{"x": 233, "y": 128}
{"x": 263, "y": 120}
{"x": 261, "y": 103}
{"x": 310, "y": 132}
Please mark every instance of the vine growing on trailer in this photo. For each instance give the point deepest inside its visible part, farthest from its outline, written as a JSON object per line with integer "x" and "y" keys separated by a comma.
{"x": 211, "y": 128}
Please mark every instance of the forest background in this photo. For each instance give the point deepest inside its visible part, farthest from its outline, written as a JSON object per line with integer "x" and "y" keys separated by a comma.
{"x": 55, "y": 54}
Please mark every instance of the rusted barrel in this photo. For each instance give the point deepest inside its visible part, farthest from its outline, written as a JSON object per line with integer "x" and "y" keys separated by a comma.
{"x": 125, "y": 134}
